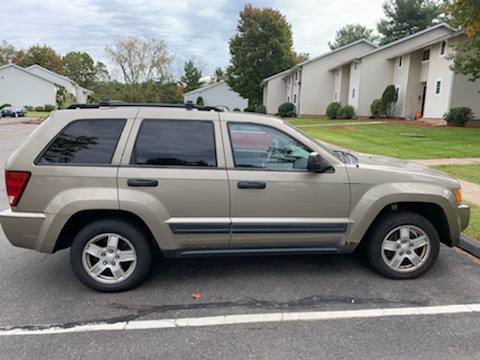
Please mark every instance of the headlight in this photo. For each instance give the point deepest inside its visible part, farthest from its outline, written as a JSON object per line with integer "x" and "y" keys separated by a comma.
{"x": 458, "y": 195}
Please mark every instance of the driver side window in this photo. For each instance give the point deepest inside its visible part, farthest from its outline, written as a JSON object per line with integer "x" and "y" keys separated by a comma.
{"x": 257, "y": 146}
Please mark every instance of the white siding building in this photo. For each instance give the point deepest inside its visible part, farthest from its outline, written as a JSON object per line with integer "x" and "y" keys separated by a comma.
{"x": 217, "y": 94}
{"x": 34, "y": 86}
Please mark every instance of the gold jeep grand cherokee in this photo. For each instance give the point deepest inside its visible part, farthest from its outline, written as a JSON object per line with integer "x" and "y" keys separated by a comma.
{"x": 116, "y": 182}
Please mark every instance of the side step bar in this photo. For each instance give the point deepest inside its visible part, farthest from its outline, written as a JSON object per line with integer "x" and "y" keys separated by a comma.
{"x": 251, "y": 252}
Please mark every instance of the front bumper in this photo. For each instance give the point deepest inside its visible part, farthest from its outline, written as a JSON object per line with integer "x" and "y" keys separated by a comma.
{"x": 463, "y": 216}
{"x": 23, "y": 229}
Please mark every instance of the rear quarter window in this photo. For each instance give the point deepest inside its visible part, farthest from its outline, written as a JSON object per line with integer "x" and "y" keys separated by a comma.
{"x": 84, "y": 142}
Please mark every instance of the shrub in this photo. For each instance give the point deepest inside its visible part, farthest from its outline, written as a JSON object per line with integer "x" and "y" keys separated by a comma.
{"x": 4, "y": 106}
{"x": 286, "y": 110}
{"x": 237, "y": 109}
{"x": 332, "y": 109}
{"x": 39, "y": 108}
{"x": 200, "y": 101}
{"x": 28, "y": 107}
{"x": 261, "y": 109}
{"x": 249, "y": 108}
{"x": 377, "y": 108}
{"x": 346, "y": 112}
{"x": 458, "y": 116}
{"x": 389, "y": 98}
{"x": 49, "y": 107}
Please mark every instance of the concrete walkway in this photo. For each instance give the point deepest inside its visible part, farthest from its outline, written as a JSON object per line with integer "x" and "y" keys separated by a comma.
{"x": 449, "y": 161}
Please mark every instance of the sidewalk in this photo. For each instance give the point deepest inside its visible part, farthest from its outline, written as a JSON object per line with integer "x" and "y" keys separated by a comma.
{"x": 449, "y": 161}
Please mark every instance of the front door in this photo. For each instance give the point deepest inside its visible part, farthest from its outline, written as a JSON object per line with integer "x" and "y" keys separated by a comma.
{"x": 275, "y": 201}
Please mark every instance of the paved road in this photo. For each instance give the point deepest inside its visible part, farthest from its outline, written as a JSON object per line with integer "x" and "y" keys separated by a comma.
{"x": 41, "y": 290}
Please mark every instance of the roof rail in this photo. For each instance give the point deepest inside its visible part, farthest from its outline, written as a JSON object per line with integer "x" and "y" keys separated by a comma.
{"x": 187, "y": 106}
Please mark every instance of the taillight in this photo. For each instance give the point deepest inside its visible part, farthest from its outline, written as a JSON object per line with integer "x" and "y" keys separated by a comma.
{"x": 16, "y": 181}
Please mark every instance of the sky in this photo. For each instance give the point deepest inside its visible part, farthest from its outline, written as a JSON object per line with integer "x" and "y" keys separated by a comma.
{"x": 197, "y": 30}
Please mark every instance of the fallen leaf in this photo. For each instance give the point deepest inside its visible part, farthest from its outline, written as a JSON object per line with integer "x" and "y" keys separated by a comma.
{"x": 197, "y": 295}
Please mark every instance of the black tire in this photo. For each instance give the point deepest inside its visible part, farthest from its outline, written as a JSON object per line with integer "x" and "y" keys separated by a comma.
{"x": 383, "y": 227}
{"x": 137, "y": 237}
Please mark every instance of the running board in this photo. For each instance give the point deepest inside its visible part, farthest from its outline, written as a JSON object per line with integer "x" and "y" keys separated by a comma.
{"x": 251, "y": 251}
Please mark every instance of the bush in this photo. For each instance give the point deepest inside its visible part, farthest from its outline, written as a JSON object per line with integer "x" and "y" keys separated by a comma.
{"x": 39, "y": 108}
{"x": 389, "y": 98}
{"x": 346, "y": 112}
{"x": 4, "y": 106}
{"x": 261, "y": 109}
{"x": 200, "y": 101}
{"x": 249, "y": 108}
{"x": 237, "y": 109}
{"x": 28, "y": 107}
{"x": 377, "y": 108}
{"x": 458, "y": 116}
{"x": 332, "y": 109}
{"x": 49, "y": 107}
{"x": 286, "y": 110}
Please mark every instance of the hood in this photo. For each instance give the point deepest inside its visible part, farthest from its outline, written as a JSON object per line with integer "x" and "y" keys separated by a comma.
{"x": 388, "y": 162}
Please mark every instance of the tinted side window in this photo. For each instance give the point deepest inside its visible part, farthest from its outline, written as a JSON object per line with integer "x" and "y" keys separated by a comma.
{"x": 263, "y": 147}
{"x": 175, "y": 143}
{"x": 84, "y": 142}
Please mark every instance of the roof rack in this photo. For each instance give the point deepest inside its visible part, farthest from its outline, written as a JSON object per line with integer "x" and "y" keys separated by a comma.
{"x": 187, "y": 106}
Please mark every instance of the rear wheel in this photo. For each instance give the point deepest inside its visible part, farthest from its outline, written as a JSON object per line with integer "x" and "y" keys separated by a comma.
{"x": 110, "y": 255}
{"x": 403, "y": 245}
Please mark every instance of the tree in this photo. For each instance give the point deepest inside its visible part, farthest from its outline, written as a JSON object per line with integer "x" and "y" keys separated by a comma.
{"x": 101, "y": 72}
{"x": 262, "y": 46}
{"x": 7, "y": 53}
{"x": 466, "y": 55}
{"x": 405, "y": 17}
{"x": 44, "y": 56}
{"x": 192, "y": 77}
{"x": 140, "y": 60}
{"x": 80, "y": 67}
{"x": 218, "y": 76}
{"x": 351, "y": 33}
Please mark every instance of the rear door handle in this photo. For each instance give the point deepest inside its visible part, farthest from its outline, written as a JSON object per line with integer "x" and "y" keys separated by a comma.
{"x": 251, "y": 185}
{"x": 142, "y": 182}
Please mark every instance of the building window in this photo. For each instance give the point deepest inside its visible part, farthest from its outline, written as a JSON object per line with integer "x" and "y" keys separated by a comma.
{"x": 294, "y": 98}
{"x": 397, "y": 91}
{"x": 443, "y": 48}
{"x": 400, "y": 61}
{"x": 353, "y": 93}
{"x": 296, "y": 76}
{"x": 426, "y": 55}
{"x": 438, "y": 87}
{"x": 335, "y": 96}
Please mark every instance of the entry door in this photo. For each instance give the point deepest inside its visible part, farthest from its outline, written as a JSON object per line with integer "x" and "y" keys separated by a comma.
{"x": 275, "y": 201}
{"x": 173, "y": 176}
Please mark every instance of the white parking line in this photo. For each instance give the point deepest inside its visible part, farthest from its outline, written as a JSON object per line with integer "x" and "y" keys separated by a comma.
{"x": 244, "y": 319}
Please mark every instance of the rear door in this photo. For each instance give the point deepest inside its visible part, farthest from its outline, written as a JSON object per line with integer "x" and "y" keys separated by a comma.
{"x": 173, "y": 176}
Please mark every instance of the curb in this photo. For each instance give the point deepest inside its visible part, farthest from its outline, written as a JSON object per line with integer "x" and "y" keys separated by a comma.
{"x": 469, "y": 245}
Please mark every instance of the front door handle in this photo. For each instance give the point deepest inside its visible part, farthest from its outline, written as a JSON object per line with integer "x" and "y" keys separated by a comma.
{"x": 251, "y": 185}
{"x": 142, "y": 182}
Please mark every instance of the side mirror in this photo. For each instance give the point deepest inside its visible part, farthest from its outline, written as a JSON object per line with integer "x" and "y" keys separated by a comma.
{"x": 317, "y": 164}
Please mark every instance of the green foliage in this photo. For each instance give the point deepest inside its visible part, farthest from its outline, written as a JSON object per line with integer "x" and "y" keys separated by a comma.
{"x": 218, "y": 76}
{"x": 458, "y": 116}
{"x": 249, "y": 108}
{"x": 49, "y": 107}
{"x": 351, "y": 33}
{"x": 405, "y": 17}
{"x": 101, "y": 72}
{"x": 261, "y": 109}
{"x": 389, "y": 98}
{"x": 262, "y": 46}
{"x": 44, "y": 56}
{"x": 4, "y": 106}
{"x": 346, "y": 112}
{"x": 200, "y": 101}
{"x": 7, "y": 53}
{"x": 377, "y": 108}
{"x": 332, "y": 109}
{"x": 287, "y": 110}
{"x": 39, "y": 108}
{"x": 64, "y": 98}
{"x": 237, "y": 110}
{"x": 80, "y": 67}
{"x": 192, "y": 77}
{"x": 27, "y": 107}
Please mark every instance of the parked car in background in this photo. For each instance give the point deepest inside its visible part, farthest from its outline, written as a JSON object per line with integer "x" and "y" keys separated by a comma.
{"x": 13, "y": 112}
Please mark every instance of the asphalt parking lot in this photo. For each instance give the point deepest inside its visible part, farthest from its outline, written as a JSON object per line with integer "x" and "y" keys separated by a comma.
{"x": 38, "y": 291}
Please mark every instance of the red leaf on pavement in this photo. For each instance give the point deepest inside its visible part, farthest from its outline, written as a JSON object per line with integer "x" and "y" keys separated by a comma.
{"x": 197, "y": 295}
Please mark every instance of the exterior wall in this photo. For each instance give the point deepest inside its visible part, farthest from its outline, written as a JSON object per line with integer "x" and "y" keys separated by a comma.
{"x": 466, "y": 93}
{"x": 414, "y": 92}
{"x": 400, "y": 81}
{"x": 318, "y": 81}
{"x": 57, "y": 79}
{"x": 274, "y": 94}
{"x": 20, "y": 88}
{"x": 216, "y": 95}
{"x": 438, "y": 69}
{"x": 354, "y": 83}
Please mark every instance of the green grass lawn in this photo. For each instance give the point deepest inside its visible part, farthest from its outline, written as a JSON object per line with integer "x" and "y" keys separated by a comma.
{"x": 398, "y": 139}
{"x": 473, "y": 230}
{"x": 37, "y": 114}
{"x": 466, "y": 172}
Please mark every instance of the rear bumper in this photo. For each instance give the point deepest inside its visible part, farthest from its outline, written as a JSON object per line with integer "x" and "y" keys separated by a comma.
{"x": 24, "y": 229}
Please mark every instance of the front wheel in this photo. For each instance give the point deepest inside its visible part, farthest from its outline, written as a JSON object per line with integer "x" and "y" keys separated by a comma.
{"x": 403, "y": 245}
{"x": 110, "y": 255}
